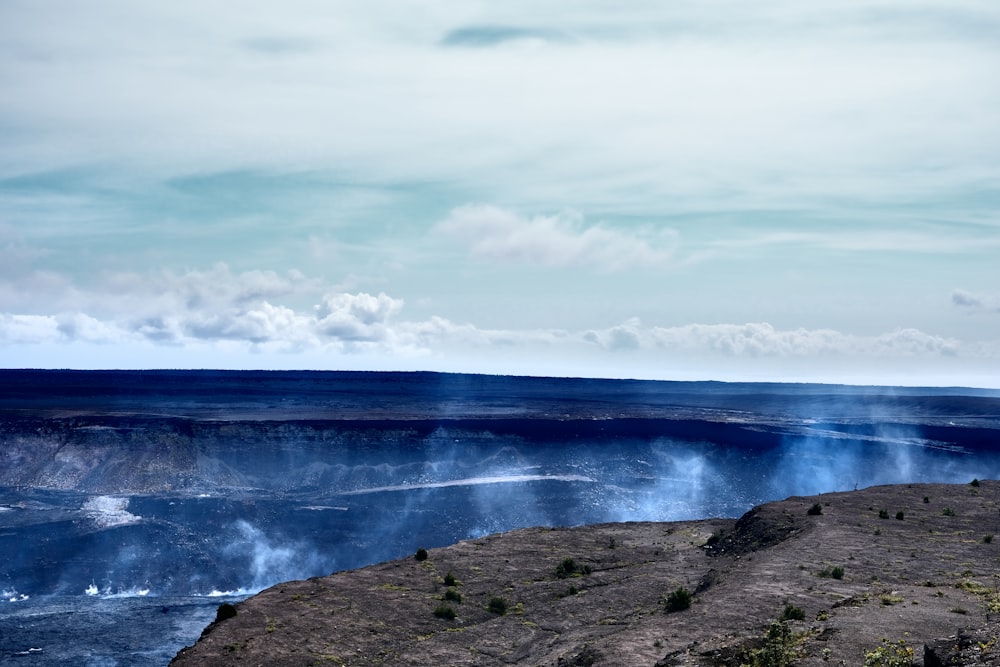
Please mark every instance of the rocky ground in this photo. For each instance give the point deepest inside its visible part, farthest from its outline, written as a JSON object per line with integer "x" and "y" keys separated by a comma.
{"x": 879, "y": 571}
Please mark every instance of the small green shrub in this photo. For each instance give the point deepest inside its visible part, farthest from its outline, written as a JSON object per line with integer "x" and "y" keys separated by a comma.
{"x": 947, "y": 511}
{"x": 450, "y": 580}
{"x": 225, "y": 610}
{"x": 678, "y": 600}
{"x": 444, "y": 611}
{"x": 883, "y": 514}
{"x": 927, "y": 499}
{"x": 566, "y": 568}
{"x": 792, "y": 613}
{"x": 988, "y": 538}
{"x": 900, "y": 516}
{"x": 779, "y": 649}
{"x": 815, "y": 510}
{"x": 452, "y": 595}
{"x": 497, "y": 606}
{"x": 832, "y": 572}
{"x": 421, "y": 554}
{"x": 890, "y": 655}
{"x": 570, "y": 568}
{"x": 974, "y": 482}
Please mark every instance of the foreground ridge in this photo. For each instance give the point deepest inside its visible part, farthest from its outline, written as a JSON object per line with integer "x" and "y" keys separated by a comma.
{"x": 879, "y": 571}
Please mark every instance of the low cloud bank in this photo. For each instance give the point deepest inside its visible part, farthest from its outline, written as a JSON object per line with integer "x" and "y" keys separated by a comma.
{"x": 261, "y": 313}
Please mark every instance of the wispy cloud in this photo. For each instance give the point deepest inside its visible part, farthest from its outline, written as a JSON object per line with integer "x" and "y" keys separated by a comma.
{"x": 494, "y": 233}
{"x": 976, "y": 302}
{"x": 929, "y": 241}
{"x": 493, "y": 35}
{"x": 667, "y": 102}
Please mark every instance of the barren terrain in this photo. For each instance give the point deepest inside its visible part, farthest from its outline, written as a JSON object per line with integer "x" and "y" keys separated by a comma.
{"x": 911, "y": 563}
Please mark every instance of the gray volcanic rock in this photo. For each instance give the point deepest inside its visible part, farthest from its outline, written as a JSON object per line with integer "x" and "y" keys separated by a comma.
{"x": 915, "y": 564}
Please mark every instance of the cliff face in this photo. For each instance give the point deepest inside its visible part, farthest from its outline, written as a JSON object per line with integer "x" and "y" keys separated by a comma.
{"x": 165, "y": 432}
{"x": 850, "y": 572}
{"x": 137, "y": 454}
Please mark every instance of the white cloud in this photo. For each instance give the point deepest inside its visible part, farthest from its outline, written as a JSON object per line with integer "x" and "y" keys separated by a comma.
{"x": 260, "y": 323}
{"x": 287, "y": 311}
{"x": 975, "y": 302}
{"x": 495, "y": 233}
{"x": 361, "y": 330}
{"x": 246, "y": 310}
{"x": 31, "y": 329}
{"x": 960, "y": 297}
{"x": 356, "y": 317}
{"x": 760, "y": 339}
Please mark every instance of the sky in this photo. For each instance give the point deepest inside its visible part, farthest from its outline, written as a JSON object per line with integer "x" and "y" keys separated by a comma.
{"x": 713, "y": 190}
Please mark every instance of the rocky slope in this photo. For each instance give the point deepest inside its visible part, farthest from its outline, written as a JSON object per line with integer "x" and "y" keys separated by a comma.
{"x": 853, "y": 573}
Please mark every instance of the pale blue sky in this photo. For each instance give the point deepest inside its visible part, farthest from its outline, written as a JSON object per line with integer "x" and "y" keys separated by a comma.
{"x": 711, "y": 190}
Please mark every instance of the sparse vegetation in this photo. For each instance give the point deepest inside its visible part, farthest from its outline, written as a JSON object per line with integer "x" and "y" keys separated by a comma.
{"x": 883, "y": 514}
{"x": 570, "y": 568}
{"x": 779, "y": 649}
{"x": 444, "y": 611}
{"x": 927, "y": 499}
{"x": 678, "y": 600}
{"x": 832, "y": 572}
{"x": 792, "y": 613}
{"x": 498, "y": 606}
{"x": 766, "y": 628}
{"x": 421, "y": 554}
{"x": 900, "y": 515}
{"x": 815, "y": 510}
{"x": 890, "y": 655}
{"x": 974, "y": 482}
{"x": 571, "y": 590}
{"x": 948, "y": 511}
